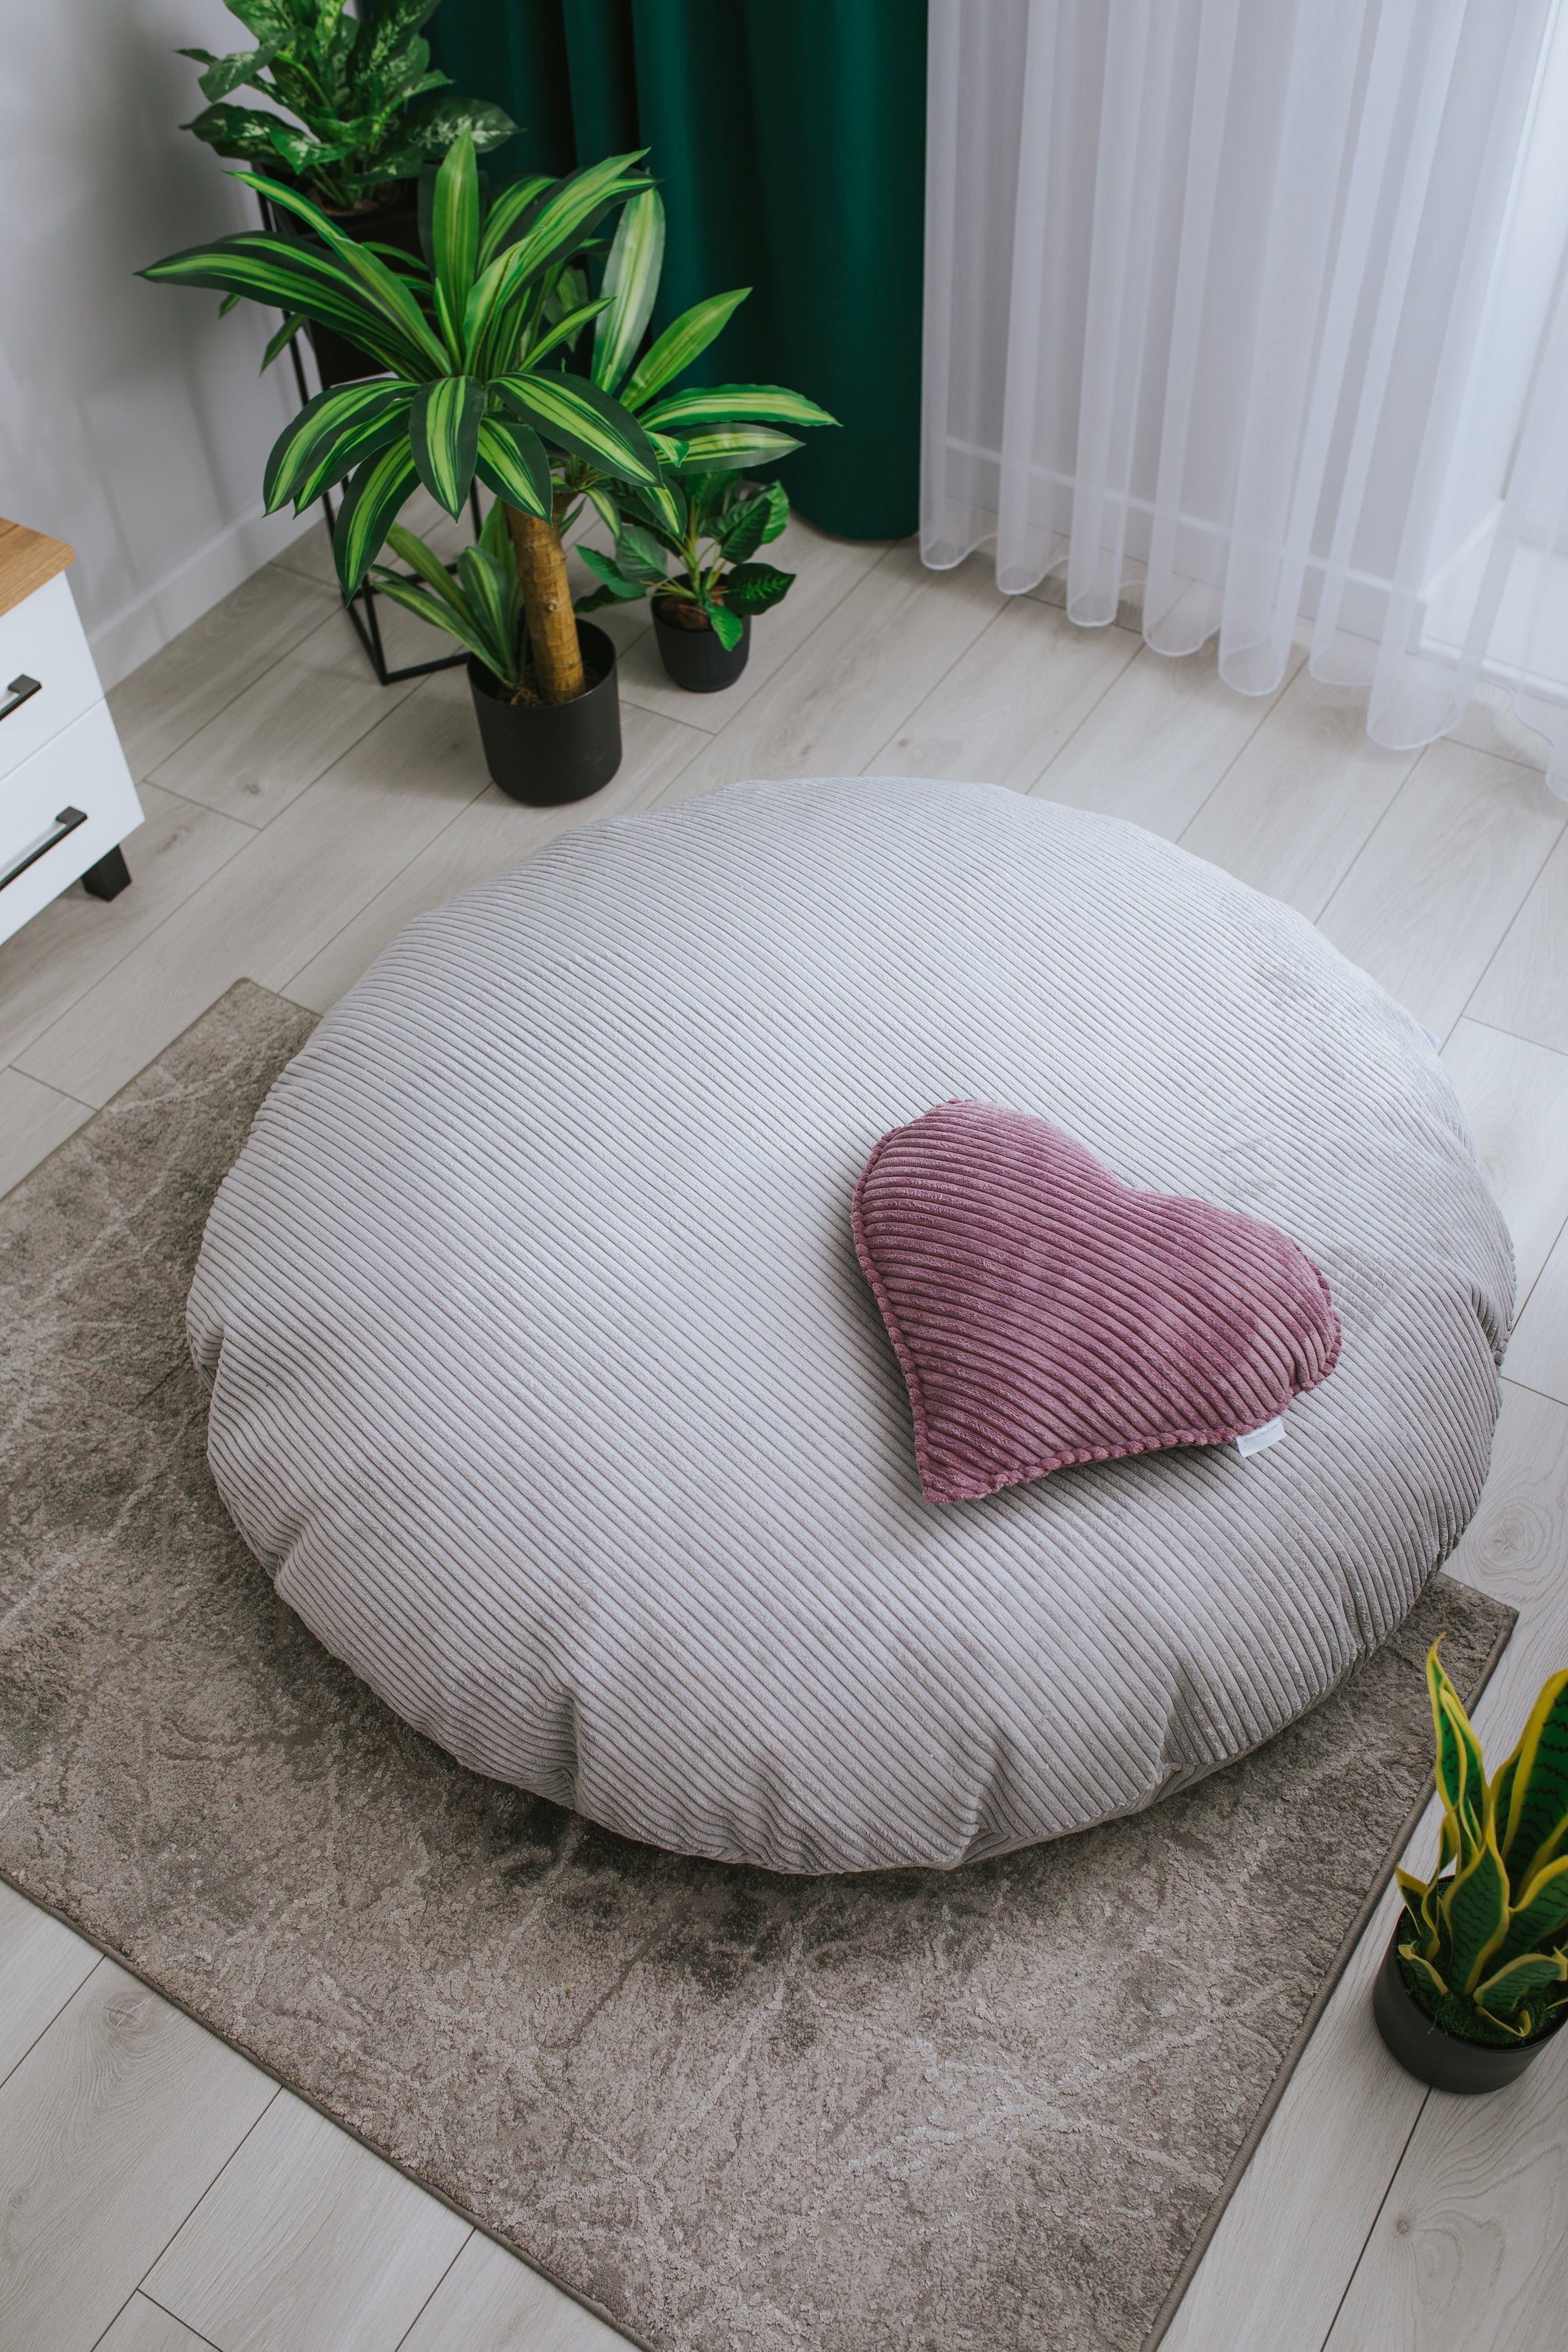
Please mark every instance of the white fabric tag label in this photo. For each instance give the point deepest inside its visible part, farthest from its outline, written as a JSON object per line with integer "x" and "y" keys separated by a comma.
{"x": 1253, "y": 1441}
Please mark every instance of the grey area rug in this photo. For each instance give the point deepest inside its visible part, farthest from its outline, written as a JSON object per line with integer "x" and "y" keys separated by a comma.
{"x": 735, "y": 2112}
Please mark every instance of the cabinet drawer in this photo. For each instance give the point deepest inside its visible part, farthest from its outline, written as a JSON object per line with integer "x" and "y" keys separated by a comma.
{"x": 42, "y": 849}
{"x": 41, "y": 640}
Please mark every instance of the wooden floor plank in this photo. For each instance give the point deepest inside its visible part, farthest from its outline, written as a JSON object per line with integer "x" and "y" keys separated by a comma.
{"x": 857, "y": 676}
{"x": 33, "y": 1119}
{"x": 1440, "y": 880}
{"x": 1525, "y": 987}
{"x": 141, "y": 2326}
{"x": 288, "y": 891}
{"x": 1470, "y": 2251}
{"x": 160, "y": 706}
{"x": 492, "y": 831}
{"x": 1158, "y": 743}
{"x": 1516, "y": 1098}
{"x": 306, "y": 2242}
{"x": 111, "y": 2129}
{"x": 1538, "y": 1351}
{"x": 489, "y": 2302}
{"x": 1289, "y": 2243}
{"x": 283, "y": 731}
{"x": 1296, "y": 806}
{"x": 70, "y": 944}
{"x": 42, "y": 1965}
{"x": 1024, "y": 686}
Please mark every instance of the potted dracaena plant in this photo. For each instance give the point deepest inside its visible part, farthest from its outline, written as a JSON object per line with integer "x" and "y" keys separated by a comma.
{"x": 482, "y": 607}
{"x": 702, "y": 608}
{"x": 361, "y": 120}
{"x": 1476, "y": 1978}
{"x": 469, "y": 342}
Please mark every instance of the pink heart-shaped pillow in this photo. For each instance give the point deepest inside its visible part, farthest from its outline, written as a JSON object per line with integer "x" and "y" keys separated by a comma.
{"x": 1045, "y": 1313}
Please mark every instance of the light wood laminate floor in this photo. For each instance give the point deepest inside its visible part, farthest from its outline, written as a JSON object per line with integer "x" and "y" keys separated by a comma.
{"x": 157, "y": 2193}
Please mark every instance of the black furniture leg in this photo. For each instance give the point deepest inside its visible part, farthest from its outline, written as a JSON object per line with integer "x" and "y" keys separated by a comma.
{"x": 108, "y": 877}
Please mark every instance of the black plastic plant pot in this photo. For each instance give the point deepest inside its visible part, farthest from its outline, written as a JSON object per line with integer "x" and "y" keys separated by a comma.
{"x": 1429, "y": 2054}
{"x": 694, "y": 658}
{"x": 550, "y": 752}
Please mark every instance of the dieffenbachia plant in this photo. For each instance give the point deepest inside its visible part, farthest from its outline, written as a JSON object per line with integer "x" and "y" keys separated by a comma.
{"x": 708, "y": 520}
{"x": 350, "y": 83}
{"x": 1483, "y": 1946}
{"x": 470, "y": 345}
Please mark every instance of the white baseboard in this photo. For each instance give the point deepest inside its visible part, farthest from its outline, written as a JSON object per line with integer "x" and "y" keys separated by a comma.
{"x": 146, "y": 624}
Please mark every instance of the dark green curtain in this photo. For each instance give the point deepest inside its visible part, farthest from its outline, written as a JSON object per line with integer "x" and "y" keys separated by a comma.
{"x": 788, "y": 137}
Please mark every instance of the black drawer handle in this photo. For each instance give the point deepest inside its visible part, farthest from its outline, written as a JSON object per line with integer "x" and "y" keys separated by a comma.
{"x": 21, "y": 689}
{"x": 67, "y": 822}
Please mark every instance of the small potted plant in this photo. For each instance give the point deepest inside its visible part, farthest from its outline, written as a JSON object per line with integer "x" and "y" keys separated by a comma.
{"x": 359, "y": 90}
{"x": 538, "y": 751}
{"x": 702, "y": 611}
{"x": 1475, "y": 1980}
{"x": 709, "y": 519}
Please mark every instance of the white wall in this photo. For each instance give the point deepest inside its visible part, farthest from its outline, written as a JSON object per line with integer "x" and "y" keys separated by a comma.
{"x": 132, "y": 420}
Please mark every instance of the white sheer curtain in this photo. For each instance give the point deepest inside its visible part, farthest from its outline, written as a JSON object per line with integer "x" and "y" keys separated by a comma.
{"x": 1263, "y": 304}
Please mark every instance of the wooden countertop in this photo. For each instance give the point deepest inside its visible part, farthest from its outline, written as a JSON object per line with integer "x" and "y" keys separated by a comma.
{"x": 28, "y": 560}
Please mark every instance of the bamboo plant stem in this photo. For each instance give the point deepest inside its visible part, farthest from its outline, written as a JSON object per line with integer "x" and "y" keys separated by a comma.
{"x": 547, "y": 601}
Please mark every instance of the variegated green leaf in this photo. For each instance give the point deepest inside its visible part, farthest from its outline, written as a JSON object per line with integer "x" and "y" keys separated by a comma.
{"x": 575, "y": 203}
{"x": 455, "y": 240}
{"x": 384, "y": 292}
{"x": 502, "y": 220}
{"x": 513, "y": 463}
{"x": 777, "y": 499}
{"x": 725, "y": 449}
{"x": 456, "y": 620}
{"x": 1425, "y": 1975}
{"x": 723, "y": 403}
{"x": 444, "y": 434}
{"x": 566, "y": 329}
{"x": 494, "y": 600}
{"x": 1539, "y": 1918}
{"x": 1421, "y": 1897}
{"x": 639, "y": 554}
{"x": 587, "y": 423}
{"x": 631, "y": 282}
{"x": 757, "y": 587}
{"x": 1475, "y": 1912}
{"x": 291, "y": 277}
{"x": 280, "y": 342}
{"x": 375, "y": 494}
{"x": 1461, "y": 1772}
{"x": 728, "y": 627}
{"x": 1501, "y": 1992}
{"x": 612, "y": 577}
{"x": 682, "y": 342}
{"x": 330, "y": 434}
{"x": 1533, "y": 1829}
{"x": 410, "y": 548}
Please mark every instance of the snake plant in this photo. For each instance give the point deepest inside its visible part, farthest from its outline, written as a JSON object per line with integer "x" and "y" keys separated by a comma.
{"x": 710, "y": 521}
{"x": 470, "y": 343}
{"x": 1482, "y": 1945}
{"x": 354, "y": 88}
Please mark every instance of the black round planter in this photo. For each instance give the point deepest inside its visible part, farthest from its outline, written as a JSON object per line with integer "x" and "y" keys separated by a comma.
{"x": 394, "y": 222}
{"x": 550, "y": 752}
{"x": 694, "y": 658}
{"x": 1429, "y": 2054}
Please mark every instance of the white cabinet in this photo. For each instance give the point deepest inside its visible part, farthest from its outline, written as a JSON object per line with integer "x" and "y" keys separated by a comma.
{"x": 67, "y": 800}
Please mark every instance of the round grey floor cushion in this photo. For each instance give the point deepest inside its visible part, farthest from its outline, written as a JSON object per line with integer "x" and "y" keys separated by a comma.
{"x": 546, "y": 1383}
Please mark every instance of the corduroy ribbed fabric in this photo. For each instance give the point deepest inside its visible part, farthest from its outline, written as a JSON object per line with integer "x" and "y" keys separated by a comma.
{"x": 1045, "y": 1314}
{"x": 547, "y": 1385}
